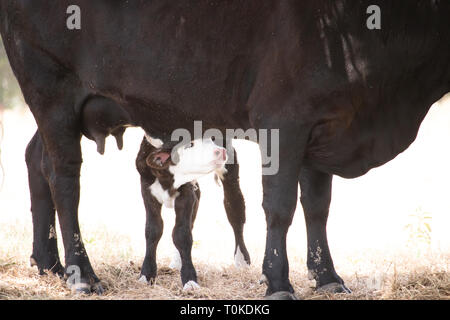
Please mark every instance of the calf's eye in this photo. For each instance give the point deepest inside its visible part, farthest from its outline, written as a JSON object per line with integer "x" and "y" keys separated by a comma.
{"x": 190, "y": 145}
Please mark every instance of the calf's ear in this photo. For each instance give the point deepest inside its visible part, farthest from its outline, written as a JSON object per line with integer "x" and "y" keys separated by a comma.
{"x": 158, "y": 159}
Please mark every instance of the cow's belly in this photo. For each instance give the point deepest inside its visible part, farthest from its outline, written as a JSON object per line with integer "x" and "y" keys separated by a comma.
{"x": 352, "y": 152}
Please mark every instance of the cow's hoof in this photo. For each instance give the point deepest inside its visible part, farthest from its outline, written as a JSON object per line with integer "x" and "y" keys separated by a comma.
{"x": 281, "y": 295}
{"x": 85, "y": 288}
{"x": 98, "y": 288}
{"x": 56, "y": 268}
{"x": 80, "y": 288}
{"x": 191, "y": 286}
{"x": 334, "y": 287}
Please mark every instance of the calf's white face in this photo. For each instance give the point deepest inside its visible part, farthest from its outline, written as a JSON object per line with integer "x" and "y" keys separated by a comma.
{"x": 192, "y": 161}
{"x": 197, "y": 159}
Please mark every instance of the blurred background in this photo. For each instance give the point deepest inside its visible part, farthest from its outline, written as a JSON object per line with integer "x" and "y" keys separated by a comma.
{"x": 394, "y": 218}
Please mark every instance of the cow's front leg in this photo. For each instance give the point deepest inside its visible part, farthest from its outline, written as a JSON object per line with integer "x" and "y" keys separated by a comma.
{"x": 61, "y": 137}
{"x": 185, "y": 207}
{"x": 234, "y": 204}
{"x": 315, "y": 198}
{"x": 45, "y": 249}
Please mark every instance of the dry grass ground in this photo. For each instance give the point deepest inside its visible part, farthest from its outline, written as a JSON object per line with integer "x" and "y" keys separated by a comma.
{"x": 388, "y": 230}
{"x": 18, "y": 281}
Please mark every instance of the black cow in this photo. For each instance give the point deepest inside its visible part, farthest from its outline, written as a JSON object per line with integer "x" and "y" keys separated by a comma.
{"x": 345, "y": 98}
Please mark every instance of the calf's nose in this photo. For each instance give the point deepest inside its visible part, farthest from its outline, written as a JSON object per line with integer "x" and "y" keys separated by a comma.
{"x": 221, "y": 154}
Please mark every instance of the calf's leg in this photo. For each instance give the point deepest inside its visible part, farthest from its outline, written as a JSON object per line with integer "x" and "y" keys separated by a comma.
{"x": 153, "y": 224}
{"x": 185, "y": 207}
{"x": 153, "y": 231}
{"x": 175, "y": 262}
{"x": 235, "y": 208}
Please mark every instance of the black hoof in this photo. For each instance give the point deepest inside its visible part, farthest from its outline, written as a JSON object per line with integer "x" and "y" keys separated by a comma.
{"x": 80, "y": 288}
{"x": 55, "y": 268}
{"x": 97, "y": 288}
{"x": 85, "y": 288}
{"x": 334, "y": 287}
{"x": 281, "y": 295}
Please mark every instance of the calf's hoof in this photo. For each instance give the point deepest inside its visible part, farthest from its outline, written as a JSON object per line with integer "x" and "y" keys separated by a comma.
{"x": 241, "y": 259}
{"x": 146, "y": 280}
{"x": 334, "y": 287}
{"x": 191, "y": 286}
{"x": 281, "y": 295}
{"x": 175, "y": 263}
{"x": 143, "y": 279}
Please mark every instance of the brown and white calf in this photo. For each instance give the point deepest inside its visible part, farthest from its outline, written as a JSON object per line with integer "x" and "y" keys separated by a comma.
{"x": 168, "y": 177}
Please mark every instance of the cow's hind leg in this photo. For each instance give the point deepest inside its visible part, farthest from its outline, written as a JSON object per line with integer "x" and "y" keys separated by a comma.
{"x": 280, "y": 186}
{"x": 315, "y": 198}
{"x": 185, "y": 209}
{"x": 54, "y": 94}
{"x": 45, "y": 250}
{"x": 235, "y": 208}
{"x": 60, "y": 133}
